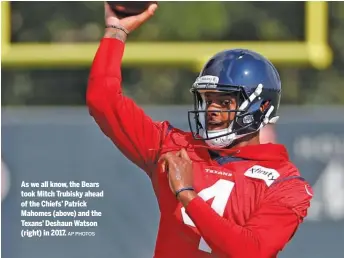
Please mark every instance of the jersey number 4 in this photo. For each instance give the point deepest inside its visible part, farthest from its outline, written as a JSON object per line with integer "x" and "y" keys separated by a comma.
{"x": 220, "y": 191}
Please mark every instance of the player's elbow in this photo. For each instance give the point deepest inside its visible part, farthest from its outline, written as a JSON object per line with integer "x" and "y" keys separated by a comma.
{"x": 95, "y": 109}
{"x": 96, "y": 97}
{"x": 102, "y": 95}
{"x": 94, "y": 101}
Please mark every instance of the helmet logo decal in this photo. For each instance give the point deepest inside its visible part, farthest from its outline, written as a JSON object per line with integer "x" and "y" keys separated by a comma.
{"x": 247, "y": 119}
{"x": 210, "y": 81}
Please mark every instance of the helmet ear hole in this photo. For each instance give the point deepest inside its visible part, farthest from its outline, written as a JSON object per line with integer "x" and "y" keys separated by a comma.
{"x": 265, "y": 105}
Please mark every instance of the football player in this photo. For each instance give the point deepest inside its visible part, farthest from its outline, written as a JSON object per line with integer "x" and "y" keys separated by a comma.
{"x": 221, "y": 193}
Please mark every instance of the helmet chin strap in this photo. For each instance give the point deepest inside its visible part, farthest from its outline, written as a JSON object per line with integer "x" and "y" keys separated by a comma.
{"x": 222, "y": 141}
{"x": 219, "y": 141}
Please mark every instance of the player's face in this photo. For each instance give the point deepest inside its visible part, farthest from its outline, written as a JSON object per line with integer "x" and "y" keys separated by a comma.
{"x": 219, "y": 101}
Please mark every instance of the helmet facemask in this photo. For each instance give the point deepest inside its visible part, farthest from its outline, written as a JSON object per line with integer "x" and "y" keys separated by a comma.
{"x": 246, "y": 115}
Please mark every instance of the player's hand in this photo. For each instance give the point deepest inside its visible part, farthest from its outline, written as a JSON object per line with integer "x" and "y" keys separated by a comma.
{"x": 129, "y": 23}
{"x": 179, "y": 170}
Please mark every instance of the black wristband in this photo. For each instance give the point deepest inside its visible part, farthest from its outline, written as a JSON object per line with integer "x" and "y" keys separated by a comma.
{"x": 184, "y": 189}
{"x": 117, "y": 27}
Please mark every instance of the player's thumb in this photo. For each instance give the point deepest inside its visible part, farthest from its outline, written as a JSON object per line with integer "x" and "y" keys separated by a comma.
{"x": 148, "y": 13}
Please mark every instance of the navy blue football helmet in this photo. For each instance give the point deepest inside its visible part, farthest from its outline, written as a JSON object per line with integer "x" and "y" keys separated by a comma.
{"x": 255, "y": 82}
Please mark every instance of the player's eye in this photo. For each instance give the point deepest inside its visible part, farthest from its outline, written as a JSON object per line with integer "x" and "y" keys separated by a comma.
{"x": 208, "y": 102}
{"x": 226, "y": 102}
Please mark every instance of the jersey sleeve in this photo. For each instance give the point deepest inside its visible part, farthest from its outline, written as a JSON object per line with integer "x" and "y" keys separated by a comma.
{"x": 292, "y": 192}
{"x": 268, "y": 230}
{"x": 129, "y": 128}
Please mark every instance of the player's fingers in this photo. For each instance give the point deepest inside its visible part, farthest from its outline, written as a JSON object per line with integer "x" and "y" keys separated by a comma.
{"x": 184, "y": 155}
{"x": 179, "y": 153}
{"x": 152, "y": 8}
{"x": 147, "y": 14}
{"x": 176, "y": 158}
{"x": 166, "y": 160}
{"x": 165, "y": 157}
{"x": 107, "y": 9}
{"x": 164, "y": 167}
{"x": 173, "y": 161}
{"x": 106, "y": 6}
{"x": 163, "y": 163}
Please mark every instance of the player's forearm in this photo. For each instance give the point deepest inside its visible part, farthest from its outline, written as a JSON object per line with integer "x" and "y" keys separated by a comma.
{"x": 221, "y": 234}
{"x": 107, "y": 61}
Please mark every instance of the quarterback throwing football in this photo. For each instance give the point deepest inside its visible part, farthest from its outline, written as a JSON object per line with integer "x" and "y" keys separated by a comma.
{"x": 220, "y": 192}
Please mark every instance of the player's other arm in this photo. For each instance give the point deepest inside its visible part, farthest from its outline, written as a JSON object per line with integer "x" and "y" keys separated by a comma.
{"x": 129, "y": 128}
{"x": 267, "y": 231}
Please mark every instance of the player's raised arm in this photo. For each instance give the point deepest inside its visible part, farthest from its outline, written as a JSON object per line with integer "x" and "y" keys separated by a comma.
{"x": 130, "y": 129}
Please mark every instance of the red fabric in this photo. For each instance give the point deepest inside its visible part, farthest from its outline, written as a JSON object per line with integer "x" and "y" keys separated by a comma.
{"x": 264, "y": 234}
{"x": 243, "y": 210}
{"x": 133, "y": 132}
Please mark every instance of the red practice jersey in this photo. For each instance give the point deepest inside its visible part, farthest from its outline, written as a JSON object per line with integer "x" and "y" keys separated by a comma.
{"x": 250, "y": 201}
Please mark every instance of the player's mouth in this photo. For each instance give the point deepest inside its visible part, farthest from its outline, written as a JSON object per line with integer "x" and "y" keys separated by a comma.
{"x": 215, "y": 125}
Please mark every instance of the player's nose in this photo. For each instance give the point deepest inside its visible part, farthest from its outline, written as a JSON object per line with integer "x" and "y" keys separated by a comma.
{"x": 214, "y": 109}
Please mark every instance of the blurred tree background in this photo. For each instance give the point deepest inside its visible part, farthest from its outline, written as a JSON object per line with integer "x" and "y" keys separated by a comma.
{"x": 174, "y": 21}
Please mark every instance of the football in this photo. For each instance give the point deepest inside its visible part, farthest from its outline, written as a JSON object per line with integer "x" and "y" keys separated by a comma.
{"x": 124, "y": 9}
